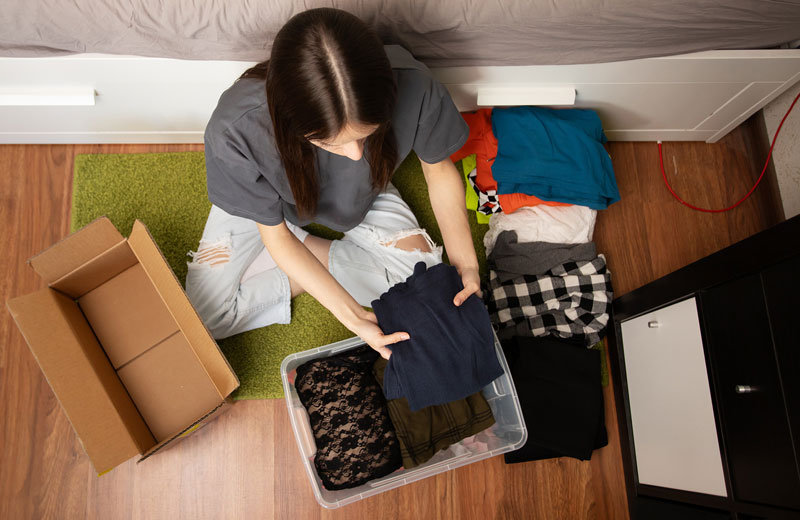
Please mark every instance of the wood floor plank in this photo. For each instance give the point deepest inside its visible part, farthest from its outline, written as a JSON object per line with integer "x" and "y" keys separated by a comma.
{"x": 246, "y": 464}
{"x": 620, "y": 231}
{"x": 37, "y": 440}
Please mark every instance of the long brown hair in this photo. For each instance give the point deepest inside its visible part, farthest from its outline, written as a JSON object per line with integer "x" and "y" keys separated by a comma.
{"x": 327, "y": 69}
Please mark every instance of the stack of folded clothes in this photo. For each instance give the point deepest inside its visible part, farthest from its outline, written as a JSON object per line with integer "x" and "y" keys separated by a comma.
{"x": 549, "y": 302}
{"x": 538, "y": 176}
{"x": 524, "y": 157}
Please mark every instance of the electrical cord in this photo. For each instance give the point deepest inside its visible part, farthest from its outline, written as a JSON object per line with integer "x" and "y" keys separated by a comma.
{"x": 766, "y": 163}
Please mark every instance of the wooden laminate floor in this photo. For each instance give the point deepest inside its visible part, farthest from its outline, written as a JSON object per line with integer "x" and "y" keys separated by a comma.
{"x": 246, "y": 464}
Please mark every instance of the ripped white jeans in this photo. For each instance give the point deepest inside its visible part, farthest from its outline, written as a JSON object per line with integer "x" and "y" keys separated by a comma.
{"x": 365, "y": 262}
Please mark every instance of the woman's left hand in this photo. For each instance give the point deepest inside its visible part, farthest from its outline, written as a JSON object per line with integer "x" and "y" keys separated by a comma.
{"x": 472, "y": 285}
{"x": 446, "y": 189}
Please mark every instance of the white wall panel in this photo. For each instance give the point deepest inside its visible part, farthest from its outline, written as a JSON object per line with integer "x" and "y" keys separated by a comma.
{"x": 691, "y": 97}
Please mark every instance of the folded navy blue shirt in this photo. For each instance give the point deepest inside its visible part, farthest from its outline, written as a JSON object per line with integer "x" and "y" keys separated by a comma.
{"x": 451, "y": 352}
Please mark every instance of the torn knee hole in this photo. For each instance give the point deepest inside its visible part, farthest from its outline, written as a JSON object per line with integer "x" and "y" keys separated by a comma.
{"x": 211, "y": 255}
{"x": 414, "y": 240}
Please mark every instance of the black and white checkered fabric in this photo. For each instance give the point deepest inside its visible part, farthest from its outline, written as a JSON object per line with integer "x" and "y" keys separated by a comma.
{"x": 488, "y": 203}
{"x": 569, "y": 301}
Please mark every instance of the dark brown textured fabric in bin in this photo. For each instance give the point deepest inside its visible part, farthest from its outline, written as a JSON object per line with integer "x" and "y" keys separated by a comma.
{"x": 423, "y": 433}
{"x": 347, "y": 411}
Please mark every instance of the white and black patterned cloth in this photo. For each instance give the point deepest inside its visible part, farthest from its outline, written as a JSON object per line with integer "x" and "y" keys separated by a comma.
{"x": 488, "y": 203}
{"x": 570, "y": 301}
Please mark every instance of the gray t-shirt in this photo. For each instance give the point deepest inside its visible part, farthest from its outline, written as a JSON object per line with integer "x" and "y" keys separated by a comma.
{"x": 246, "y": 177}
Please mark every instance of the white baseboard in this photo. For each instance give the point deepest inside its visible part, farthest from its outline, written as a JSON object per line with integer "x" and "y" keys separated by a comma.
{"x": 659, "y": 135}
{"x": 141, "y": 137}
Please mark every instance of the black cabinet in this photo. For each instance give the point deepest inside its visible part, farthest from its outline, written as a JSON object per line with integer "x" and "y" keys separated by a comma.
{"x": 747, "y": 299}
{"x": 752, "y": 410}
{"x": 782, "y": 294}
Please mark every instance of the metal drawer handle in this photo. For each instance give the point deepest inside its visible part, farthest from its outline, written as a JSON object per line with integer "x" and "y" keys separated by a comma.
{"x": 745, "y": 389}
{"x": 653, "y": 324}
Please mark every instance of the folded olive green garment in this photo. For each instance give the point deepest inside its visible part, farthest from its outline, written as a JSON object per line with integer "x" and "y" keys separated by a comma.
{"x": 426, "y": 431}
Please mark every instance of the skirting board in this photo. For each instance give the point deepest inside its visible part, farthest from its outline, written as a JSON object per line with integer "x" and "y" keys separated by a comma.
{"x": 692, "y": 97}
{"x": 141, "y": 137}
{"x": 197, "y": 137}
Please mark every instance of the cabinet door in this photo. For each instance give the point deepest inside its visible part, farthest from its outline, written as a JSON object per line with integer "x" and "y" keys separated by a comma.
{"x": 674, "y": 433}
{"x": 752, "y": 409}
{"x": 646, "y": 508}
{"x": 781, "y": 289}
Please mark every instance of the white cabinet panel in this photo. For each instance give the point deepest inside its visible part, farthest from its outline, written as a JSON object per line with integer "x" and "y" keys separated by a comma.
{"x": 674, "y": 432}
{"x": 640, "y": 106}
{"x": 701, "y": 67}
{"x": 693, "y": 97}
{"x": 654, "y": 106}
{"x": 137, "y": 99}
{"x": 690, "y": 97}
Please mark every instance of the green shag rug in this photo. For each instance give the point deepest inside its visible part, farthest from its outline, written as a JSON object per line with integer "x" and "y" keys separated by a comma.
{"x": 167, "y": 191}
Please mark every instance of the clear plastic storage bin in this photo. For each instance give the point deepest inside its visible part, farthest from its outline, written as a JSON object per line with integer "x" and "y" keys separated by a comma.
{"x": 507, "y": 434}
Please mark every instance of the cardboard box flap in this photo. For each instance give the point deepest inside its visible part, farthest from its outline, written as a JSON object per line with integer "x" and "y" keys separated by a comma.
{"x": 212, "y": 414}
{"x": 156, "y": 267}
{"x": 96, "y": 271}
{"x": 97, "y": 405}
{"x": 78, "y": 248}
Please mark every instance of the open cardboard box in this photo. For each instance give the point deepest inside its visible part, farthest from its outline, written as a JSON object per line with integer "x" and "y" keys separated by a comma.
{"x": 127, "y": 356}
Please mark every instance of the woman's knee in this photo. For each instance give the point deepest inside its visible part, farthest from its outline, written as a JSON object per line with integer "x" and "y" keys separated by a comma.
{"x": 211, "y": 254}
{"x": 414, "y": 243}
{"x": 206, "y": 286}
{"x": 405, "y": 249}
{"x": 414, "y": 240}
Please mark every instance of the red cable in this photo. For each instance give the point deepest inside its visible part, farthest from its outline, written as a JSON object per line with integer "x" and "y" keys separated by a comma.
{"x": 775, "y": 137}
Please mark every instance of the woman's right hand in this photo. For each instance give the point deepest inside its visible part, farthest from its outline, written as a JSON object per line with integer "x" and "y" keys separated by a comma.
{"x": 300, "y": 264}
{"x": 367, "y": 328}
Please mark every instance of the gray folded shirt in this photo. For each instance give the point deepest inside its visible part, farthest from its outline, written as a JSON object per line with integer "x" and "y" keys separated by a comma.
{"x": 510, "y": 258}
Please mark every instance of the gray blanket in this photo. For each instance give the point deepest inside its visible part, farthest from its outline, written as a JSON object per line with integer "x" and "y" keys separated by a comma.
{"x": 440, "y": 33}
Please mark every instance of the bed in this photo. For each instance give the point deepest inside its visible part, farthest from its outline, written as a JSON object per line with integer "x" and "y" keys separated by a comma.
{"x": 443, "y": 34}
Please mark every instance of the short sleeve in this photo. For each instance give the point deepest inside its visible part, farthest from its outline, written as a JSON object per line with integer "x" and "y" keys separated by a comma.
{"x": 236, "y": 186}
{"x": 441, "y": 130}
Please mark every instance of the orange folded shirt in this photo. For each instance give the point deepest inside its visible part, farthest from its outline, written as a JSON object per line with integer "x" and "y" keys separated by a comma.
{"x": 483, "y": 144}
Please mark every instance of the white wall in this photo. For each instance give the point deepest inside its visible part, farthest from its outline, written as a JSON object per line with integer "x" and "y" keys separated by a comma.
{"x": 786, "y": 155}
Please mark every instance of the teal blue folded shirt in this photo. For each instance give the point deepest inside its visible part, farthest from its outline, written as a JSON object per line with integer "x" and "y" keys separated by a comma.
{"x": 555, "y": 155}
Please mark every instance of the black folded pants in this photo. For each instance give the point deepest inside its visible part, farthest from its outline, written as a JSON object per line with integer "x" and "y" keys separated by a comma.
{"x": 560, "y": 392}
